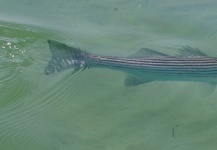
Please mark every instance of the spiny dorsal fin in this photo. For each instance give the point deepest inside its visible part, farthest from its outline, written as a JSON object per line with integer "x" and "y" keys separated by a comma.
{"x": 145, "y": 52}
{"x": 189, "y": 51}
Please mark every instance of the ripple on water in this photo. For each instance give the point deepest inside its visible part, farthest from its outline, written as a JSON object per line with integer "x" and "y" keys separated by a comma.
{"x": 32, "y": 104}
{"x": 14, "y": 59}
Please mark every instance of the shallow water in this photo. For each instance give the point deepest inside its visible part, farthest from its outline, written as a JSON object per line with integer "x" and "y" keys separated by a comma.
{"x": 93, "y": 109}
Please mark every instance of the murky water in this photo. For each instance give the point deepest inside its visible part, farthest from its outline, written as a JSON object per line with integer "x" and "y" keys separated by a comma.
{"x": 93, "y": 109}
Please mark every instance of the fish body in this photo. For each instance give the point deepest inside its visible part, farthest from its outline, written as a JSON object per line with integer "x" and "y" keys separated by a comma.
{"x": 145, "y": 66}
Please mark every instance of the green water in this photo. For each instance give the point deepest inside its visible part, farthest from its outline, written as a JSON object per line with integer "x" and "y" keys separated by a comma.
{"x": 93, "y": 110}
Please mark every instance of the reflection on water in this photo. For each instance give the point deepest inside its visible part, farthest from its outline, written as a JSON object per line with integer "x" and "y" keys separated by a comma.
{"x": 92, "y": 109}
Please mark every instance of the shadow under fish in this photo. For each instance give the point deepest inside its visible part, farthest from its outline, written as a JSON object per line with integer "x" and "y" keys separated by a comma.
{"x": 144, "y": 66}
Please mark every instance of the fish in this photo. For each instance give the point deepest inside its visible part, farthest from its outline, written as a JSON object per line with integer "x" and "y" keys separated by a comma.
{"x": 144, "y": 66}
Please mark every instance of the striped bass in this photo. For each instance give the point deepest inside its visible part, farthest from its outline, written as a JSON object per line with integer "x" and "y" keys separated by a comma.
{"x": 145, "y": 66}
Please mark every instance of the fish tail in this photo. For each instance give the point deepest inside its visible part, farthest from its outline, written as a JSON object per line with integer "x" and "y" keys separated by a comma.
{"x": 64, "y": 57}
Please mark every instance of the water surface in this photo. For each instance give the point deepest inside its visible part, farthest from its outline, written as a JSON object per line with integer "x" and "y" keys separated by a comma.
{"x": 93, "y": 109}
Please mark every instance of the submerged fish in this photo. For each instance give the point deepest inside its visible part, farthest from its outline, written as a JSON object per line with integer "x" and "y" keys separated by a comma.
{"x": 145, "y": 66}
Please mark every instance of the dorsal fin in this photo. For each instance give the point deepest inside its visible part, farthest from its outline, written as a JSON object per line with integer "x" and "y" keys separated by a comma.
{"x": 146, "y": 52}
{"x": 189, "y": 51}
